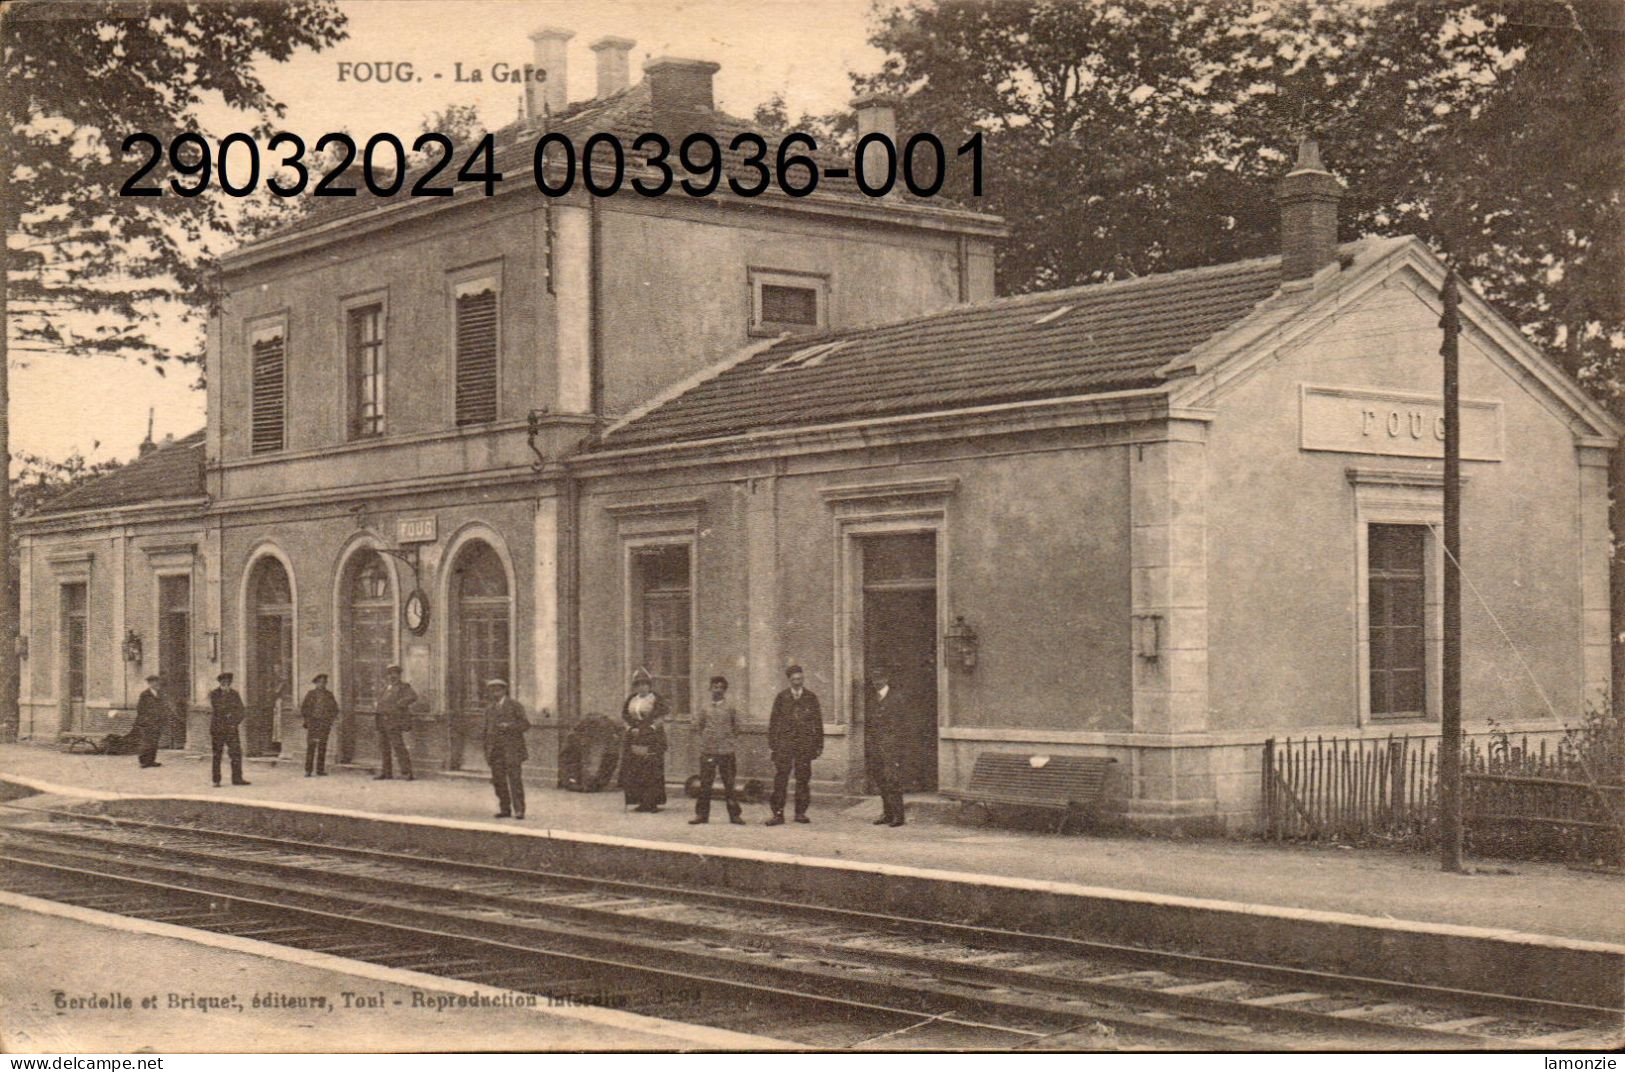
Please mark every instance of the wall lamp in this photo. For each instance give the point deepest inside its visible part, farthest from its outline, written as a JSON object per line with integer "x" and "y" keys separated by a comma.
{"x": 132, "y": 647}
{"x": 961, "y": 642}
{"x": 1147, "y": 635}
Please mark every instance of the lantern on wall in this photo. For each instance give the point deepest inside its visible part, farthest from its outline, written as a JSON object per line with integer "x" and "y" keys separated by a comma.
{"x": 132, "y": 647}
{"x": 961, "y": 642}
{"x": 1147, "y": 635}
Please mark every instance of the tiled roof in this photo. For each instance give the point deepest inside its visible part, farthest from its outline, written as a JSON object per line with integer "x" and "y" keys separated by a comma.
{"x": 172, "y": 471}
{"x": 1082, "y": 340}
{"x": 626, "y": 115}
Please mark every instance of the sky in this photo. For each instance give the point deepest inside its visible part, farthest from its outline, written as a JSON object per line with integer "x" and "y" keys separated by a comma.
{"x": 804, "y": 50}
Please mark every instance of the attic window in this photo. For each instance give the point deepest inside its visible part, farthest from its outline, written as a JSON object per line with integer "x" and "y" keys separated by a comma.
{"x": 1055, "y": 314}
{"x": 807, "y": 356}
{"x": 787, "y": 302}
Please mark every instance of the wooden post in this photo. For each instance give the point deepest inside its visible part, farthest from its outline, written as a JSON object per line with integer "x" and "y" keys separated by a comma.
{"x": 1450, "y": 723}
{"x": 1266, "y": 785}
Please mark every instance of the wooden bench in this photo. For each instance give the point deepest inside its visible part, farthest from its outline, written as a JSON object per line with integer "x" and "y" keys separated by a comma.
{"x": 1071, "y": 785}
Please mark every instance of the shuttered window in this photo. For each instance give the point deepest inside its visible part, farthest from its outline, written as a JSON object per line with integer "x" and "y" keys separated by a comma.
{"x": 477, "y": 353}
{"x": 269, "y": 400}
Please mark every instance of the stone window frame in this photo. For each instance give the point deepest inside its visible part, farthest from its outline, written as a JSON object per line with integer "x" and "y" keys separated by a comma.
{"x": 817, "y": 282}
{"x": 1399, "y": 497}
{"x": 349, "y": 305}
{"x": 640, "y": 526}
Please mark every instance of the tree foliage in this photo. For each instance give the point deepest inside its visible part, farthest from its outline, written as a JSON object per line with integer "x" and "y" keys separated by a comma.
{"x": 90, "y": 271}
{"x": 1146, "y": 135}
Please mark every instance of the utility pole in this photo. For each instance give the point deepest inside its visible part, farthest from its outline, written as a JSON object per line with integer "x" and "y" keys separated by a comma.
{"x": 1450, "y": 723}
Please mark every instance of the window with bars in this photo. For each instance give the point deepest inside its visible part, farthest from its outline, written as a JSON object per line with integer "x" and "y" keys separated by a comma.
{"x": 663, "y": 598}
{"x": 476, "y": 345}
{"x": 1397, "y": 626}
{"x": 365, "y": 333}
{"x": 269, "y": 393}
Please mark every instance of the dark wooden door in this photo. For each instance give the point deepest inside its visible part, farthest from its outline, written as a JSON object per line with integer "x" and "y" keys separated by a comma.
{"x": 175, "y": 655}
{"x": 270, "y": 681}
{"x": 479, "y": 643}
{"x": 900, "y": 629}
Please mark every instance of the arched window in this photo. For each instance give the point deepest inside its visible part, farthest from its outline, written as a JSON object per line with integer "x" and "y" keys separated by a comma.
{"x": 368, "y": 630}
{"x": 479, "y": 641}
{"x": 270, "y": 654}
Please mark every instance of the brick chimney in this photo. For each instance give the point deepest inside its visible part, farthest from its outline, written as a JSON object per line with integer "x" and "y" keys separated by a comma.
{"x": 876, "y": 114}
{"x": 552, "y": 94}
{"x": 681, "y": 92}
{"x": 1308, "y": 196}
{"x": 613, "y": 64}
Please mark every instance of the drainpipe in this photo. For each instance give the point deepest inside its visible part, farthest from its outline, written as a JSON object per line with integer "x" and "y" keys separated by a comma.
{"x": 569, "y": 575}
{"x": 595, "y": 274}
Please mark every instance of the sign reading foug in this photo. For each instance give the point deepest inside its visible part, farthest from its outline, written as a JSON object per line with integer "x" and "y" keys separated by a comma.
{"x": 1358, "y": 420}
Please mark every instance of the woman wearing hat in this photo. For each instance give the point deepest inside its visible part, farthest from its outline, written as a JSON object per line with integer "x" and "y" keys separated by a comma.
{"x": 643, "y": 753}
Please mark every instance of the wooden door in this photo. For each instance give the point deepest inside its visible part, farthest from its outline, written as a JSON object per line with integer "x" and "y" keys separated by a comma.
{"x": 900, "y": 629}
{"x": 175, "y": 655}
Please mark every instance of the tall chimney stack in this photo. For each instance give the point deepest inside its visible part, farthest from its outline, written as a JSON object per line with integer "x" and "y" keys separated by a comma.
{"x": 552, "y": 94}
{"x": 681, "y": 92}
{"x": 1308, "y": 196}
{"x": 613, "y": 64}
{"x": 876, "y": 113}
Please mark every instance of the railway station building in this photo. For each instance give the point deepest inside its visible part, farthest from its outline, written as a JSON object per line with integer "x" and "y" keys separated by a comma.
{"x": 1160, "y": 519}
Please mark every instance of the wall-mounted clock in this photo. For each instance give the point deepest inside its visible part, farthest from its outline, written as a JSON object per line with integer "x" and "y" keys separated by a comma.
{"x": 417, "y": 612}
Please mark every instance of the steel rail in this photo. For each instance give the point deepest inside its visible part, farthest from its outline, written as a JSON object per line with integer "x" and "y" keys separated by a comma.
{"x": 1332, "y": 983}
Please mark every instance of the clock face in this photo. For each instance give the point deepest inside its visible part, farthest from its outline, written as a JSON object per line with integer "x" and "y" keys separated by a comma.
{"x": 417, "y": 611}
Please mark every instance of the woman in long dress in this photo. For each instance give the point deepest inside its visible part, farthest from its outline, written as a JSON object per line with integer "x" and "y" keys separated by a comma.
{"x": 643, "y": 755}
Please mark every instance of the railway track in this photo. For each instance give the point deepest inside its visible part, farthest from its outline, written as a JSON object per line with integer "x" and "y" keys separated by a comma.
{"x": 823, "y": 977}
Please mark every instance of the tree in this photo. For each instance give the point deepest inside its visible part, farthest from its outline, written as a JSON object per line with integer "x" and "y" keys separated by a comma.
{"x": 88, "y": 271}
{"x": 1147, "y": 135}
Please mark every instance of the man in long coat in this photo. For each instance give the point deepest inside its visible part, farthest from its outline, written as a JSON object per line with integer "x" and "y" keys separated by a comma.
{"x": 226, "y": 713}
{"x": 505, "y": 726}
{"x": 318, "y": 711}
{"x": 152, "y": 711}
{"x": 795, "y": 737}
{"x": 394, "y": 719}
{"x": 887, "y": 745}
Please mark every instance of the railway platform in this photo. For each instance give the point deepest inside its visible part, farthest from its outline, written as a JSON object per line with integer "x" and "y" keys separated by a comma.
{"x": 1533, "y": 898}
{"x": 1384, "y": 922}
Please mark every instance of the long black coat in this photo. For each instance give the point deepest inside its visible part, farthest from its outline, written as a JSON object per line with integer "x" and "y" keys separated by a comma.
{"x": 796, "y": 726}
{"x": 887, "y": 727}
{"x": 319, "y": 710}
{"x": 226, "y": 711}
{"x": 151, "y": 712}
{"x": 643, "y": 777}
{"x": 505, "y": 726}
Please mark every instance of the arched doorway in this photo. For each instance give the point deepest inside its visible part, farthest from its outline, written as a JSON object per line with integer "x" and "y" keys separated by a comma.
{"x": 366, "y": 645}
{"x": 270, "y": 655}
{"x": 478, "y": 645}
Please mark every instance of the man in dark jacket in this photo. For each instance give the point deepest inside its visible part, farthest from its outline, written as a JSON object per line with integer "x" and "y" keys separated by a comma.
{"x": 505, "y": 726}
{"x": 394, "y": 719}
{"x": 152, "y": 711}
{"x": 887, "y": 745}
{"x": 226, "y": 714}
{"x": 318, "y": 710}
{"x": 795, "y": 737}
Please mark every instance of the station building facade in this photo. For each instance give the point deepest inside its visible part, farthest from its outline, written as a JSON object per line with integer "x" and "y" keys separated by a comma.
{"x": 555, "y": 441}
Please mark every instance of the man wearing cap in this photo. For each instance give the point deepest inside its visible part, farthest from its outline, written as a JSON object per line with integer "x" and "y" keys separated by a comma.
{"x": 318, "y": 710}
{"x": 394, "y": 719}
{"x": 795, "y": 737}
{"x": 151, "y": 712}
{"x": 505, "y": 726}
{"x": 886, "y": 745}
{"x": 225, "y": 715}
{"x": 716, "y": 725}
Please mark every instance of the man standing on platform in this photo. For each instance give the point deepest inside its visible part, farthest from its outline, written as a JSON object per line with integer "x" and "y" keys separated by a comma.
{"x": 887, "y": 745}
{"x": 394, "y": 719}
{"x": 226, "y": 713}
{"x": 152, "y": 712}
{"x": 505, "y": 726}
{"x": 318, "y": 710}
{"x": 795, "y": 737}
{"x": 716, "y": 725}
